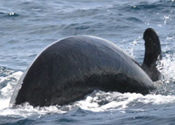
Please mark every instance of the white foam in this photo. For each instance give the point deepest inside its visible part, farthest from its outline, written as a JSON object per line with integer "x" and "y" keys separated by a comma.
{"x": 118, "y": 101}
{"x": 166, "y": 67}
{"x": 12, "y": 79}
{"x": 97, "y": 102}
{"x": 5, "y": 92}
{"x": 29, "y": 111}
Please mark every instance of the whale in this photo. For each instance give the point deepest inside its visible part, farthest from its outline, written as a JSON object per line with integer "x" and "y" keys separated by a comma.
{"x": 71, "y": 68}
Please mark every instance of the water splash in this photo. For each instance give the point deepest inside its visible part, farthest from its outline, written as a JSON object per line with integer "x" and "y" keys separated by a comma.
{"x": 10, "y": 81}
{"x": 166, "y": 66}
{"x": 101, "y": 101}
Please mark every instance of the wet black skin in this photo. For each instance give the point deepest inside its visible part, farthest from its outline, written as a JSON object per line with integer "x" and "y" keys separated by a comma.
{"x": 152, "y": 54}
{"x": 73, "y": 67}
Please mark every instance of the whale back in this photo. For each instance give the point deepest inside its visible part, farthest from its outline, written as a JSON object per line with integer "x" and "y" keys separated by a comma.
{"x": 73, "y": 67}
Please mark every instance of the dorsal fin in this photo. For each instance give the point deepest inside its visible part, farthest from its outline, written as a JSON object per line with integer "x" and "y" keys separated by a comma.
{"x": 152, "y": 54}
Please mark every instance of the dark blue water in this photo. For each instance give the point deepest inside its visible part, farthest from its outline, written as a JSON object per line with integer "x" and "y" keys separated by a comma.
{"x": 28, "y": 26}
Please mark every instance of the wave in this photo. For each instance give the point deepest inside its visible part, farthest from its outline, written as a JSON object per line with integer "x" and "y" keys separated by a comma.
{"x": 98, "y": 101}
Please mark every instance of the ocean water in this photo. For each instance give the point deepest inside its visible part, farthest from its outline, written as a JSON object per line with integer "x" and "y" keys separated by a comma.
{"x": 28, "y": 26}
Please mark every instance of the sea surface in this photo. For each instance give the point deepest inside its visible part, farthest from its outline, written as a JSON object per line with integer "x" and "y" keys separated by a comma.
{"x": 29, "y": 26}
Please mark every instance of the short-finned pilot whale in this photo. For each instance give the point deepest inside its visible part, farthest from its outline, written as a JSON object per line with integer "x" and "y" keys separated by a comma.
{"x": 75, "y": 66}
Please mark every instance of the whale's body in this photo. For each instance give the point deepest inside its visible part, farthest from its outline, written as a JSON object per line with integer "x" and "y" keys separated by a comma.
{"x": 73, "y": 67}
